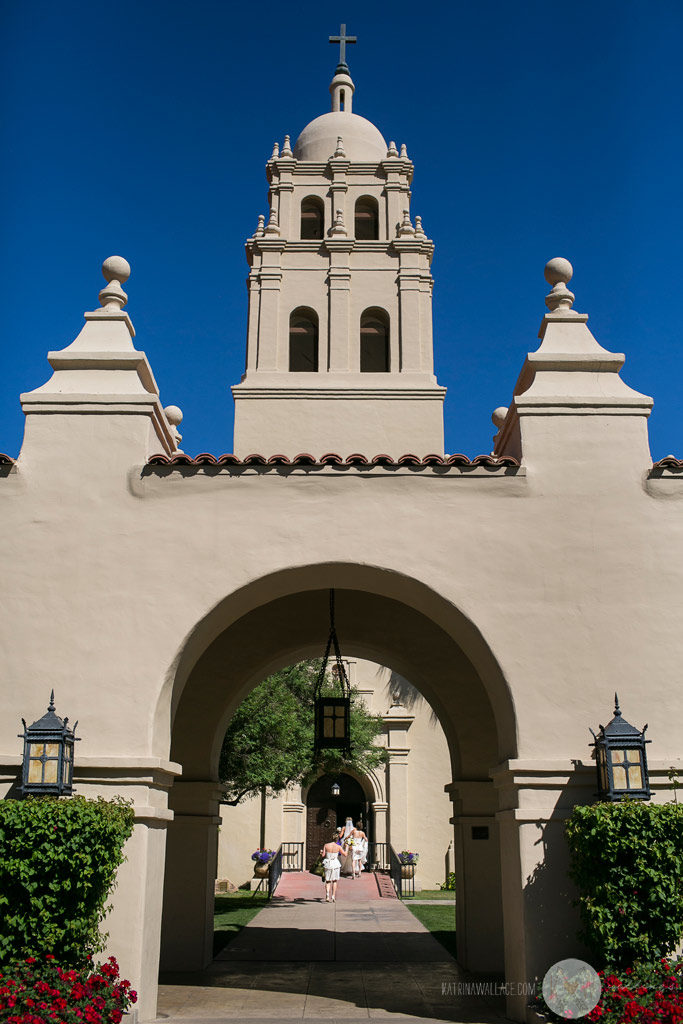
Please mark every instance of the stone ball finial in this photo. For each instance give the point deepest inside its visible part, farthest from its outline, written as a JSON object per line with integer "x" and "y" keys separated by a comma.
{"x": 498, "y": 416}
{"x": 174, "y": 415}
{"x": 558, "y": 272}
{"x": 114, "y": 270}
{"x": 287, "y": 147}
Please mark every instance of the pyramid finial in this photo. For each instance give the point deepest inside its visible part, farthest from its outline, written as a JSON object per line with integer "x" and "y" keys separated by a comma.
{"x": 276, "y": 151}
{"x": 51, "y": 705}
{"x": 115, "y": 270}
{"x": 617, "y": 710}
{"x": 404, "y": 152}
{"x": 558, "y": 272}
{"x": 286, "y": 148}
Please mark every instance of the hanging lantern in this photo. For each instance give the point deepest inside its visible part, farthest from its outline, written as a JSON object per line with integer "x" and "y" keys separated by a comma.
{"x": 621, "y": 760}
{"x": 332, "y": 713}
{"x": 48, "y": 763}
{"x": 335, "y": 790}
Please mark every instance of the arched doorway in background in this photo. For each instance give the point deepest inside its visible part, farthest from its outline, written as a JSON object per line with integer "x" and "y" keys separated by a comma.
{"x": 325, "y": 812}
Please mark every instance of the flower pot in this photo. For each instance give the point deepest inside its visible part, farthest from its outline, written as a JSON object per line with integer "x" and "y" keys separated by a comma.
{"x": 261, "y": 869}
{"x": 407, "y": 870}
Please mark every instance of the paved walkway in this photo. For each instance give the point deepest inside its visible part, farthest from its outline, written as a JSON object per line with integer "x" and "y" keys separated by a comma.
{"x": 303, "y": 960}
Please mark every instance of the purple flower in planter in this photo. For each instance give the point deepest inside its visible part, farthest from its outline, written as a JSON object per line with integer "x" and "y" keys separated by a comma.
{"x": 408, "y": 857}
{"x": 263, "y": 856}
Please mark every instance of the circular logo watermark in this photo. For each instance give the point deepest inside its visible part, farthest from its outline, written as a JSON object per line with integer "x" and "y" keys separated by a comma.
{"x": 571, "y": 988}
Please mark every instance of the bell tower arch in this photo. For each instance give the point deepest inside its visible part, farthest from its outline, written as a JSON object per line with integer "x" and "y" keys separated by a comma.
{"x": 340, "y": 241}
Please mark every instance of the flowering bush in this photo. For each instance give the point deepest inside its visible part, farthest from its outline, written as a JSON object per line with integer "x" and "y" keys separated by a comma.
{"x": 263, "y": 856}
{"x": 406, "y": 857}
{"x": 644, "y": 994}
{"x": 36, "y": 992}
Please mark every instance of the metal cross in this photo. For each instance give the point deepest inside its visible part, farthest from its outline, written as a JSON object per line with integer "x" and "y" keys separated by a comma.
{"x": 342, "y": 39}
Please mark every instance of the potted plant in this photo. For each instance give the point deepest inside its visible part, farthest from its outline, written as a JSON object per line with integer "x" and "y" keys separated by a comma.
{"x": 408, "y": 861}
{"x": 262, "y": 859}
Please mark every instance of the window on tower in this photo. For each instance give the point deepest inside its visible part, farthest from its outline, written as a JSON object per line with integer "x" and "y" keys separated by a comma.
{"x": 367, "y": 218}
{"x": 374, "y": 341}
{"x": 303, "y": 341}
{"x": 312, "y": 217}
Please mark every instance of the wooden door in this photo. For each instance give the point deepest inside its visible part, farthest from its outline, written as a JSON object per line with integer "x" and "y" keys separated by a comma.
{"x": 321, "y": 822}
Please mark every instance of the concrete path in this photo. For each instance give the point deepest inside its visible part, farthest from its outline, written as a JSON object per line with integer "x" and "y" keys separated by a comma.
{"x": 303, "y": 960}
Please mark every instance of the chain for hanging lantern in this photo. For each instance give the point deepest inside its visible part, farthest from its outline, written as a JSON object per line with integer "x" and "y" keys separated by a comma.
{"x": 332, "y": 713}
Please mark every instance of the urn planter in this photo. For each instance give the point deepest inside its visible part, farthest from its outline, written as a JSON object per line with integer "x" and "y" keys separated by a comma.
{"x": 261, "y": 869}
{"x": 407, "y": 870}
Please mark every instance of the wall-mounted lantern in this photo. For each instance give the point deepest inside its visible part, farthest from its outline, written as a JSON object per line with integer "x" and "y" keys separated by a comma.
{"x": 332, "y": 713}
{"x": 621, "y": 760}
{"x": 48, "y": 764}
{"x": 335, "y": 790}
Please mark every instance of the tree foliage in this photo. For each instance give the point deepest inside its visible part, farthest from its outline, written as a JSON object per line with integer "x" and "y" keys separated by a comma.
{"x": 269, "y": 742}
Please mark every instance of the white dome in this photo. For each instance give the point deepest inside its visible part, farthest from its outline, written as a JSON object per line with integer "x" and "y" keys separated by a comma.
{"x": 362, "y": 141}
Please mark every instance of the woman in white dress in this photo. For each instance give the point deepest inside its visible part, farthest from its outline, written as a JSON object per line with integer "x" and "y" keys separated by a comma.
{"x": 347, "y": 861}
{"x": 330, "y": 853}
{"x": 359, "y": 849}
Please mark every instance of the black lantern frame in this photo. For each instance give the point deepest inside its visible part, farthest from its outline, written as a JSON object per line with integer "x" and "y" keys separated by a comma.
{"x": 48, "y": 762}
{"x": 621, "y": 760}
{"x": 332, "y": 713}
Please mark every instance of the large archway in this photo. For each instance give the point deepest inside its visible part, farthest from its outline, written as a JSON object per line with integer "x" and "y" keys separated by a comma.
{"x": 382, "y": 616}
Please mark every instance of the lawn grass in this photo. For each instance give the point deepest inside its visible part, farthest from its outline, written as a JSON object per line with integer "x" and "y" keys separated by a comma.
{"x": 440, "y": 921}
{"x": 232, "y": 912}
{"x": 433, "y": 894}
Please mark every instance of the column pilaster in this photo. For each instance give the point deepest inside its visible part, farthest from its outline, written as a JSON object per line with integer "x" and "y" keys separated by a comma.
{"x": 340, "y": 347}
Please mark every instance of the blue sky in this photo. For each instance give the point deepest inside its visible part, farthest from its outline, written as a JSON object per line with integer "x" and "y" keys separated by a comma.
{"x": 537, "y": 130}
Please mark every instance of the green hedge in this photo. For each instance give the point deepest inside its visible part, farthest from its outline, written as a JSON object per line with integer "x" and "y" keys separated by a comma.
{"x": 627, "y": 863}
{"x": 58, "y": 862}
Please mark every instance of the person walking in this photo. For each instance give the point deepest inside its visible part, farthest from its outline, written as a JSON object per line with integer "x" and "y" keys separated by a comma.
{"x": 330, "y": 853}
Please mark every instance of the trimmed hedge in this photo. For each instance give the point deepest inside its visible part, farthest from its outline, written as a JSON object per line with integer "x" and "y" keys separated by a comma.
{"x": 58, "y": 863}
{"x": 627, "y": 863}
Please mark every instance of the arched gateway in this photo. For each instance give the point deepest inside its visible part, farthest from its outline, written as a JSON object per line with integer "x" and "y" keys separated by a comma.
{"x": 517, "y": 591}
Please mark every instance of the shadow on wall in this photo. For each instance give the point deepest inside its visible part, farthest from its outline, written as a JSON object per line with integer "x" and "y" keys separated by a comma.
{"x": 399, "y": 691}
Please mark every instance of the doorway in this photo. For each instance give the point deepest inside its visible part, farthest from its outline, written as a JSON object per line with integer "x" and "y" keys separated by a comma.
{"x": 325, "y": 813}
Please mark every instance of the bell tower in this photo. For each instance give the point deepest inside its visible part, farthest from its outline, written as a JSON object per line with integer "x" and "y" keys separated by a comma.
{"x": 339, "y": 336}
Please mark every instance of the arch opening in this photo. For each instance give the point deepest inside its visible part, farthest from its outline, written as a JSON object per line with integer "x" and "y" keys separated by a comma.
{"x": 303, "y": 341}
{"x": 374, "y": 341}
{"x": 366, "y": 219}
{"x": 312, "y": 218}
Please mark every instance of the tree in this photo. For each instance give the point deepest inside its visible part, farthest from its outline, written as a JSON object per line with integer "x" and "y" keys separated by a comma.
{"x": 269, "y": 743}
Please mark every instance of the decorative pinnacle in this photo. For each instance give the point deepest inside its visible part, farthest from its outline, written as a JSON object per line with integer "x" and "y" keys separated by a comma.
{"x": 174, "y": 416}
{"x": 340, "y": 151}
{"x": 276, "y": 151}
{"x": 260, "y": 228}
{"x": 115, "y": 270}
{"x": 51, "y": 705}
{"x": 273, "y": 226}
{"x": 419, "y": 230}
{"x": 617, "y": 710}
{"x": 338, "y": 227}
{"x": 286, "y": 148}
{"x": 406, "y": 227}
{"x": 558, "y": 272}
{"x": 404, "y": 152}
{"x": 392, "y": 151}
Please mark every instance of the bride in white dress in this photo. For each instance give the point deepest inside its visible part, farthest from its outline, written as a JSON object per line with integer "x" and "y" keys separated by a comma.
{"x": 347, "y": 861}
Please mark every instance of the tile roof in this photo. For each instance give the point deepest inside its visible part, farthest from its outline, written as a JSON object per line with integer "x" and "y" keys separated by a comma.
{"x": 6, "y": 460}
{"x": 669, "y": 462}
{"x": 331, "y": 459}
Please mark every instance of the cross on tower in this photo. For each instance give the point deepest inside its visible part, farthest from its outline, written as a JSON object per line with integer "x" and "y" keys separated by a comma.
{"x": 342, "y": 39}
